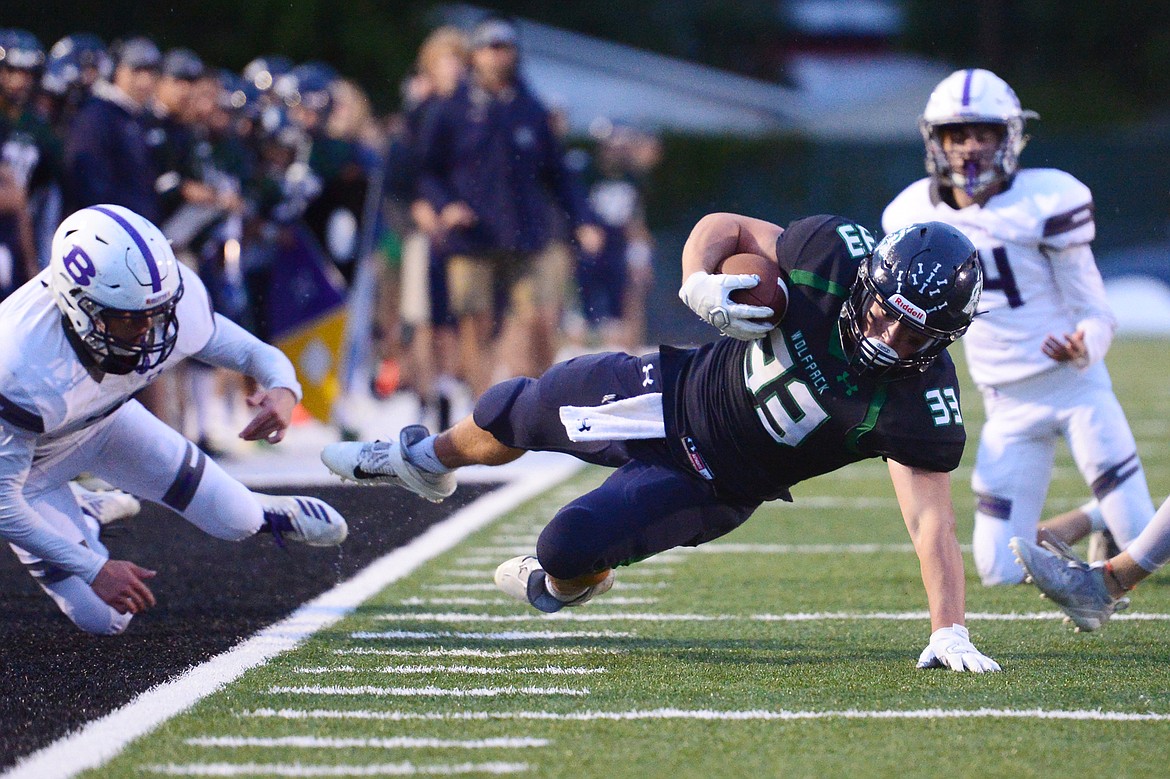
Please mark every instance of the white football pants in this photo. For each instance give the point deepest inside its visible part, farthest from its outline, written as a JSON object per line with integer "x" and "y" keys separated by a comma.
{"x": 135, "y": 451}
{"x": 1013, "y": 467}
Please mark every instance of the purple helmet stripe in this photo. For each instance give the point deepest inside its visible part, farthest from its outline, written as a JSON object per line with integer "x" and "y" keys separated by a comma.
{"x": 140, "y": 242}
{"x": 967, "y": 87}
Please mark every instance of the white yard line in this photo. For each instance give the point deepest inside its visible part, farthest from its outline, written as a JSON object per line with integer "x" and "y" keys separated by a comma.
{"x": 718, "y": 548}
{"x": 300, "y": 769}
{"x": 487, "y": 653}
{"x": 618, "y": 585}
{"x": 429, "y": 691}
{"x": 548, "y": 670}
{"x": 398, "y": 742}
{"x": 822, "y": 616}
{"x": 104, "y": 738}
{"x": 505, "y": 635}
{"x": 714, "y": 714}
{"x": 616, "y": 600}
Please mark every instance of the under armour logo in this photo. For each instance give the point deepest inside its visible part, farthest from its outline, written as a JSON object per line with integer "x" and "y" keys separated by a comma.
{"x": 584, "y": 426}
{"x": 646, "y": 382}
{"x": 849, "y": 388}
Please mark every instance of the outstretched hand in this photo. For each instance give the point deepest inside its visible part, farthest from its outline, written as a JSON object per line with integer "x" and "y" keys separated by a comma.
{"x": 1069, "y": 347}
{"x": 274, "y": 414}
{"x": 120, "y": 585}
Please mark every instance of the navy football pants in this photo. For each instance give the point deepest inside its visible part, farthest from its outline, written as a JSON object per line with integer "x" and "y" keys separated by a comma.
{"x": 648, "y": 505}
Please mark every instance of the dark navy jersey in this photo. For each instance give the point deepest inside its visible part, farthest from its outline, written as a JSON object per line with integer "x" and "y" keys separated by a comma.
{"x": 759, "y": 416}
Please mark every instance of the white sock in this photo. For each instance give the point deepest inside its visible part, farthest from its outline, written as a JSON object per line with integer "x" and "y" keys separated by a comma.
{"x": 1096, "y": 519}
{"x": 1151, "y": 549}
{"x": 422, "y": 454}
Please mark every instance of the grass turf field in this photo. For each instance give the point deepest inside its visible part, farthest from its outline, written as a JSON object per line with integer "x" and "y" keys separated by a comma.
{"x": 785, "y": 649}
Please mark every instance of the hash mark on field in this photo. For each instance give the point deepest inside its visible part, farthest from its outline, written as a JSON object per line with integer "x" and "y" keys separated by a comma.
{"x": 429, "y": 691}
{"x": 711, "y": 714}
{"x": 398, "y": 742}
{"x": 300, "y": 769}
{"x": 549, "y": 670}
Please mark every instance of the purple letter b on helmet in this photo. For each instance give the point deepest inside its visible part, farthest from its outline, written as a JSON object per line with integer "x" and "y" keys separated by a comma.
{"x": 79, "y": 266}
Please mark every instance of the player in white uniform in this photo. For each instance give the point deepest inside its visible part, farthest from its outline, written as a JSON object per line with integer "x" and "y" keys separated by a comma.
{"x": 1036, "y": 348}
{"x": 112, "y": 311}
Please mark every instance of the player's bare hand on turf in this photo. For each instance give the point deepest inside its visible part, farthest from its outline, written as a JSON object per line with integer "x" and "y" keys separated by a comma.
{"x": 120, "y": 585}
{"x": 1069, "y": 347}
{"x": 273, "y": 415}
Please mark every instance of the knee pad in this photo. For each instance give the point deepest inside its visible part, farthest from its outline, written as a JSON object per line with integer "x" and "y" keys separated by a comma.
{"x": 493, "y": 409}
{"x": 571, "y": 544}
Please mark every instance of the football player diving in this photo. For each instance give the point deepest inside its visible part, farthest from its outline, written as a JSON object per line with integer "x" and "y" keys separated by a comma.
{"x": 111, "y": 312}
{"x": 1037, "y": 354}
{"x": 700, "y": 437}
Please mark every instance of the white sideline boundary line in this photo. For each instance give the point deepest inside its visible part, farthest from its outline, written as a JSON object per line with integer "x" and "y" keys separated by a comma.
{"x": 102, "y": 739}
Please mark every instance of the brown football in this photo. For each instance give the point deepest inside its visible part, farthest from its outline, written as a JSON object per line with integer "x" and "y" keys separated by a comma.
{"x": 769, "y": 292}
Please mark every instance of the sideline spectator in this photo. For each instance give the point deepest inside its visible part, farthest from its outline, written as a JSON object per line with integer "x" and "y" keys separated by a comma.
{"x": 30, "y": 157}
{"x": 107, "y": 158}
{"x": 434, "y": 349}
{"x": 614, "y": 282}
{"x": 489, "y": 158}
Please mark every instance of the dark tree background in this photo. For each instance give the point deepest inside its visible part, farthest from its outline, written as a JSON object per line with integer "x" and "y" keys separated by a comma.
{"x": 1077, "y": 61}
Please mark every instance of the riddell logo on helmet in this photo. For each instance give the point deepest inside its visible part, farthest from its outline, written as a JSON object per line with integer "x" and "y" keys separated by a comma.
{"x": 906, "y": 307}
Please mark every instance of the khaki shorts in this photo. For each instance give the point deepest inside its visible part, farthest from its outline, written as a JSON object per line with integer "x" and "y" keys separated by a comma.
{"x": 472, "y": 282}
{"x": 415, "y": 303}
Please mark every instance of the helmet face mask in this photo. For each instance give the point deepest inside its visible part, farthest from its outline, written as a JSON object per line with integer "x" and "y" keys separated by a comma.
{"x": 116, "y": 281}
{"x": 925, "y": 277}
{"x": 128, "y": 341}
{"x": 965, "y": 99}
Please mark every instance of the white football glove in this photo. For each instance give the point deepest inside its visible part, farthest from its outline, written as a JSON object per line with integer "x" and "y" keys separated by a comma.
{"x": 952, "y": 648}
{"x": 708, "y": 296}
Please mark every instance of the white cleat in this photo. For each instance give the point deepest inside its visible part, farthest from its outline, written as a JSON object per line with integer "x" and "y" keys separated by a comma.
{"x": 310, "y": 521}
{"x": 105, "y": 506}
{"x": 1072, "y": 584}
{"x": 388, "y": 462}
{"x": 523, "y": 579}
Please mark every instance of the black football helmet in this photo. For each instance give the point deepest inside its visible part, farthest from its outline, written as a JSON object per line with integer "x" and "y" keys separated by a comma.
{"x": 926, "y": 276}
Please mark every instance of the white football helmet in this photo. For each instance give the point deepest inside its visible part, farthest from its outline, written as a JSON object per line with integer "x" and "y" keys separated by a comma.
{"x": 974, "y": 96}
{"x": 117, "y": 282}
